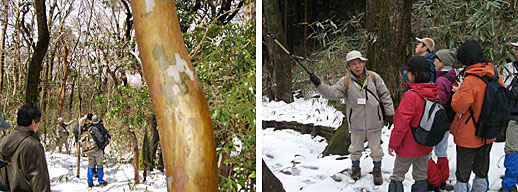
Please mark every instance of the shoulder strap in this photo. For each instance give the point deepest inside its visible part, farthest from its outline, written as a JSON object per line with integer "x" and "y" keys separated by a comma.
{"x": 347, "y": 77}
{"x": 449, "y": 77}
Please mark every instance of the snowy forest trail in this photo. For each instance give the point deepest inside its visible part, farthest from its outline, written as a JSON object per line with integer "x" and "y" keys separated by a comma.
{"x": 63, "y": 170}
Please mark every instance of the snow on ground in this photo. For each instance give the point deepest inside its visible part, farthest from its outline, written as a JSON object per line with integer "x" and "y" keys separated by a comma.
{"x": 120, "y": 177}
{"x": 314, "y": 111}
{"x": 296, "y": 160}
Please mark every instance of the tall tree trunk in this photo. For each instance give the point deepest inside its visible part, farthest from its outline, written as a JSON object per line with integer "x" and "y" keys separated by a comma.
{"x": 388, "y": 22}
{"x": 2, "y": 56}
{"x": 282, "y": 64}
{"x": 145, "y": 153}
{"x": 134, "y": 143}
{"x": 65, "y": 77}
{"x": 33, "y": 76}
{"x": 183, "y": 117}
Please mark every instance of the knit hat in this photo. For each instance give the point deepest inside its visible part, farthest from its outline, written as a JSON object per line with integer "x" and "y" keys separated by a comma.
{"x": 447, "y": 56}
{"x": 515, "y": 44}
{"x": 354, "y": 55}
{"x": 428, "y": 42}
{"x": 418, "y": 63}
{"x": 3, "y": 124}
{"x": 95, "y": 119}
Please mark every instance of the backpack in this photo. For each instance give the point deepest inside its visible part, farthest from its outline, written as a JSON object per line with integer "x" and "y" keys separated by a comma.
{"x": 433, "y": 124}
{"x": 449, "y": 111}
{"x": 496, "y": 113}
{"x": 512, "y": 96}
{"x": 88, "y": 143}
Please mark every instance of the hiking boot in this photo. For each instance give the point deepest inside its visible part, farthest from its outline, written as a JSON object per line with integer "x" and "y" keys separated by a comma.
{"x": 376, "y": 173}
{"x": 447, "y": 187}
{"x": 103, "y": 184}
{"x": 433, "y": 188}
{"x": 356, "y": 173}
{"x": 90, "y": 185}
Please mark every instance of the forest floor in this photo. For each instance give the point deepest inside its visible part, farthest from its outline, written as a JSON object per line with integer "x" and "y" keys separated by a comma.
{"x": 120, "y": 177}
{"x": 296, "y": 158}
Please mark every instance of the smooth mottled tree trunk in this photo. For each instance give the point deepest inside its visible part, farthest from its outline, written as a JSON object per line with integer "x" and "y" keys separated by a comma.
{"x": 64, "y": 82}
{"x": 388, "y": 23}
{"x": 182, "y": 113}
{"x": 281, "y": 62}
{"x": 33, "y": 75}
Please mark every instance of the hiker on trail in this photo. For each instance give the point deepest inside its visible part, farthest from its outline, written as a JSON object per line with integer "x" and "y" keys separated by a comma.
{"x": 22, "y": 147}
{"x": 367, "y": 98}
{"x": 439, "y": 172}
{"x": 511, "y": 142}
{"x": 62, "y": 133}
{"x": 104, "y": 132}
{"x": 417, "y": 78}
{"x": 425, "y": 48}
{"x": 96, "y": 159}
{"x": 3, "y": 124}
{"x": 472, "y": 151}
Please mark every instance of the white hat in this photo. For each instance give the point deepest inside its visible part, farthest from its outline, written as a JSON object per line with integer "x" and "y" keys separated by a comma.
{"x": 354, "y": 55}
{"x": 60, "y": 119}
{"x": 515, "y": 44}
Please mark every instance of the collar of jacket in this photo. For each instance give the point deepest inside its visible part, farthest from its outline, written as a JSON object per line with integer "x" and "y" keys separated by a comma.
{"x": 26, "y": 131}
{"x": 481, "y": 69}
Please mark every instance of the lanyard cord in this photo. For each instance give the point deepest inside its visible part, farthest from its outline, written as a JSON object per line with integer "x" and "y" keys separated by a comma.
{"x": 362, "y": 87}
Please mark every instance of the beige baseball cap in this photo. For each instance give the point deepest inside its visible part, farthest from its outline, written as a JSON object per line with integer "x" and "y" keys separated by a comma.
{"x": 428, "y": 42}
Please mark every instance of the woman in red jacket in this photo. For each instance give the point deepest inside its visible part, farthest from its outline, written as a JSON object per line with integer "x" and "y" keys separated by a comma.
{"x": 417, "y": 78}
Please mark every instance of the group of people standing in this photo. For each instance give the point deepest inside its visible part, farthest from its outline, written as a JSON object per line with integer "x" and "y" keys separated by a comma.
{"x": 27, "y": 169}
{"x": 428, "y": 75}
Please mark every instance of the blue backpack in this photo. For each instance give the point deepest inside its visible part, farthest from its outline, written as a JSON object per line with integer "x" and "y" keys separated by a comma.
{"x": 496, "y": 113}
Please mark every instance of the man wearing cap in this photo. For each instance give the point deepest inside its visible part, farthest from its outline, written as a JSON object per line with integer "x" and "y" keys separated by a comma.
{"x": 22, "y": 147}
{"x": 366, "y": 94}
{"x": 408, "y": 152}
{"x": 62, "y": 134}
{"x": 96, "y": 159}
{"x": 425, "y": 48}
{"x": 472, "y": 151}
{"x": 439, "y": 172}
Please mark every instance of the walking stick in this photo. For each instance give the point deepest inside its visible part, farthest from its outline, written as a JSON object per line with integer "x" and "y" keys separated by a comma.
{"x": 288, "y": 52}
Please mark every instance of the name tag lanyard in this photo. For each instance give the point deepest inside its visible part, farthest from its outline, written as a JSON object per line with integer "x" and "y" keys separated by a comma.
{"x": 362, "y": 101}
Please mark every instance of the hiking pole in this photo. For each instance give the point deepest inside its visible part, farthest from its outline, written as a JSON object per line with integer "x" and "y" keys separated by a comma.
{"x": 288, "y": 52}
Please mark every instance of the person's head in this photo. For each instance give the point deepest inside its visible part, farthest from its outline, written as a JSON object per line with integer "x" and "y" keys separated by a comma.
{"x": 417, "y": 70}
{"x": 95, "y": 119}
{"x": 355, "y": 62}
{"x": 445, "y": 57}
{"x": 470, "y": 53}
{"x": 88, "y": 118}
{"x": 60, "y": 119}
{"x": 425, "y": 46}
{"x": 29, "y": 116}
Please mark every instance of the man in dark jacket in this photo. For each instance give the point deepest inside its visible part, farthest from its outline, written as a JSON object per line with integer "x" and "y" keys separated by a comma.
{"x": 425, "y": 48}
{"x": 22, "y": 147}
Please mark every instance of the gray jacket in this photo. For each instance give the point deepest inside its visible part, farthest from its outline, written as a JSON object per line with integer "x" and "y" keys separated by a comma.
{"x": 361, "y": 117}
{"x": 511, "y": 140}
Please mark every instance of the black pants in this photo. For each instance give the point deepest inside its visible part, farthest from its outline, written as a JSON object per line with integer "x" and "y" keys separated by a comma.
{"x": 476, "y": 159}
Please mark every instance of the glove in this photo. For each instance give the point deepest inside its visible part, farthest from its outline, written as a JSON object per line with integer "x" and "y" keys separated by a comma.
{"x": 389, "y": 120}
{"x": 314, "y": 79}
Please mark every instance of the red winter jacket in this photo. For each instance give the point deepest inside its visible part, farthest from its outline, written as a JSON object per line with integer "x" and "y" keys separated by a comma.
{"x": 410, "y": 110}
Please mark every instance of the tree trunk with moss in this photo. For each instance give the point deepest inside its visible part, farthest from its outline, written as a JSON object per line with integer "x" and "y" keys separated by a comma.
{"x": 388, "y": 24}
{"x": 281, "y": 62}
{"x": 339, "y": 143}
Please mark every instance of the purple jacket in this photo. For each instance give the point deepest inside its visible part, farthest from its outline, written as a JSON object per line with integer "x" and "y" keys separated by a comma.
{"x": 445, "y": 85}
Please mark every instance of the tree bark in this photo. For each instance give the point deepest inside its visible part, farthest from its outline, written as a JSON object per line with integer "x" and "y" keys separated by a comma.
{"x": 282, "y": 64}
{"x": 64, "y": 83}
{"x": 134, "y": 143}
{"x": 2, "y": 56}
{"x": 183, "y": 117}
{"x": 388, "y": 23}
{"x": 33, "y": 75}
